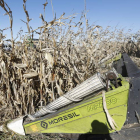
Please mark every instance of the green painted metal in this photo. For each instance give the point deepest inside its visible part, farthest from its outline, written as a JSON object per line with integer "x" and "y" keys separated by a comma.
{"x": 118, "y": 57}
{"x": 86, "y": 115}
{"x": 29, "y": 42}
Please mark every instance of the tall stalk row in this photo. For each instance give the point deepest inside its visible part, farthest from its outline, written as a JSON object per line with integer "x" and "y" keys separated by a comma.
{"x": 65, "y": 55}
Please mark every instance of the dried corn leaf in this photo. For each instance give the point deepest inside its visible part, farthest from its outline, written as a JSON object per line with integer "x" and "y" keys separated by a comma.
{"x": 110, "y": 119}
{"x": 30, "y": 75}
{"x": 20, "y": 65}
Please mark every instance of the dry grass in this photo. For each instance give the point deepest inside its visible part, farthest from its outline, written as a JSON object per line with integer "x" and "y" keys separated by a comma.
{"x": 12, "y": 136}
{"x": 66, "y": 54}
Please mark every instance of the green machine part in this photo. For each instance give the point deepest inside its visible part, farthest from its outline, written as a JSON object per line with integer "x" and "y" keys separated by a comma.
{"x": 29, "y": 41}
{"x": 116, "y": 58}
{"x": 87, "y": 116}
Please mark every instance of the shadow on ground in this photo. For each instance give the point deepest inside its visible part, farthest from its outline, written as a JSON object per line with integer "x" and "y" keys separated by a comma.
{"x": 98, "y": 129}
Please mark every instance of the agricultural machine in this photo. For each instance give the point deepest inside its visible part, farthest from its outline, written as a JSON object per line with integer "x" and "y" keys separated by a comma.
{"x": 105, "y": 106}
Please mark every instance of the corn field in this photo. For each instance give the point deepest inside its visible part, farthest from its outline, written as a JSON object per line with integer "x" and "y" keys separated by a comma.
{"x": 65, "y": 55}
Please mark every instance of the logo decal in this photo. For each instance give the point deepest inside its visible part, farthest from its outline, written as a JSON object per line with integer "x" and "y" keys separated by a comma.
{"x": 99, "y": 104}
{"x": 60, "y": 119}
{"x": 44, "y": 125}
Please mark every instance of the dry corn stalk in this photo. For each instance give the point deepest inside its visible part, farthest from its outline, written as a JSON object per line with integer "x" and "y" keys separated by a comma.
{"x": 62, "y": 58}
{"x": 109, "y": 118}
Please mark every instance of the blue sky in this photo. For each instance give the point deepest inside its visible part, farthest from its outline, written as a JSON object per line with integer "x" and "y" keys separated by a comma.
{"x": 124, "y": 13}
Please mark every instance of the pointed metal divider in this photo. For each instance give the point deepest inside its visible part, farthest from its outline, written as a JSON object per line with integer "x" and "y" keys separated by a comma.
{"x": 134, "y": 93}
{"x": 132, "y": 69}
